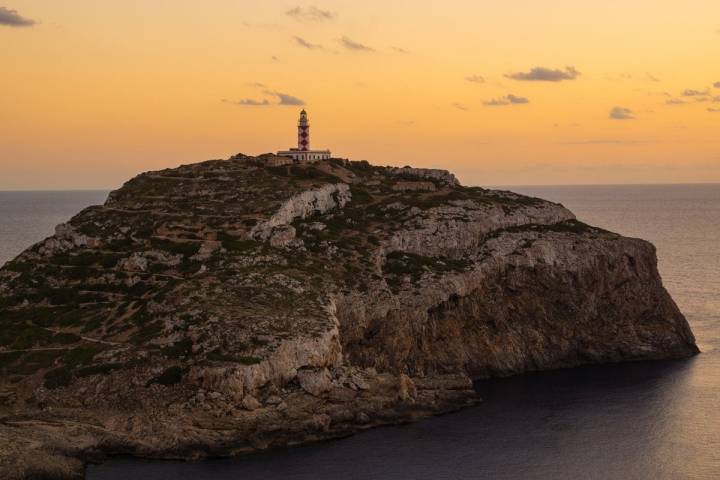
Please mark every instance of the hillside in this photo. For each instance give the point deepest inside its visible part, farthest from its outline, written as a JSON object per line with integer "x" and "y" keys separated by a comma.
{"x": 235, "y": 305}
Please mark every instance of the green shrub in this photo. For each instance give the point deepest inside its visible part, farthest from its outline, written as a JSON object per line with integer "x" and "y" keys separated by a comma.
{"x": 80, "y": 355}
{"x": 38, "y": 360}
{"x": 102, "y": 369}
{"x": 65, "y": 338}
{"x": 58, "y": 377}
{"x": 7, "y": 359}
{"x": 360, "y": 195}
{"x": 19, "y": 337}
{"x": 187, "y": 249}
{"x": 249, "y": 360}
{"x": 218, "y": 355}
{"x": 233, "y": 244}
{"x": 170, "y": 376}
{"x": 181, "y": 348}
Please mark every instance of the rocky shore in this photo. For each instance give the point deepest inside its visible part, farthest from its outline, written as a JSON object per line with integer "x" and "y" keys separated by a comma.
{"x": 231, "y": 306}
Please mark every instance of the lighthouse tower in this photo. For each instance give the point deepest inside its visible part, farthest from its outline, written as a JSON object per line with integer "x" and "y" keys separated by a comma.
{"x": 302, "y": 153}
{"x": 303, "y": 132}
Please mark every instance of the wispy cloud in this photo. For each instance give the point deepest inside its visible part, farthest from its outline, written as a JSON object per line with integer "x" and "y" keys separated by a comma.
{"x": 713, "y": 110}
{"x": 460, "y": 106}
{"x": 621, "y": 113}
{"x": 675, "y": 101}
{"x": 12, "y": 18}
{"x": 542, "y": 74}
{"x": 651, "y": 77}
{"x": 249, "y": 102}
{"x": 508, "y": 99}
{"x": 622, "y": 77}
{"x": 695, "y": 93}
{"x": 716, "y": 84}
{"x": 605, "y": 142}
{"x": 312, "y": 14}
{"x": 305, "y": 44}
{"x": 274, "y": 58}
{"x": 400, "y": 50}
{"x": 282, "y": 99}
{"x": 353, "y": 45}
{"x": 475, "y": 79}
{"x": 285, "y": 99}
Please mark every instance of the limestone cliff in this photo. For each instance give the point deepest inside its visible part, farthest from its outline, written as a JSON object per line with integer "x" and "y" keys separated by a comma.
{"x": 234, "y": 305}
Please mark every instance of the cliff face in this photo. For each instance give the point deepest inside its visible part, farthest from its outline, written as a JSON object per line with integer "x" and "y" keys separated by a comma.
{"x": 230, "y": 306}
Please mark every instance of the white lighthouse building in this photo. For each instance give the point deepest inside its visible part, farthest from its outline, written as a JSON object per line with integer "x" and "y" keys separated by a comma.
{"x": 303, "y": 153}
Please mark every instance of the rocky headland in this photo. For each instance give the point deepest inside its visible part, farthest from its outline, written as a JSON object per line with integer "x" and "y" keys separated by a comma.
{"x": 236, "y": 305}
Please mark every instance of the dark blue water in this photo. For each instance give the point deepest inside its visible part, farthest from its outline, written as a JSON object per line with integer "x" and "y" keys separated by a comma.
{"x": 648, "y": 421}
{"x": 28, "y": 217}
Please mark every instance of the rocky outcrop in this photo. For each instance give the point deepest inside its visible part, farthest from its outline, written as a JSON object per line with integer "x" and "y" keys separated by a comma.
{"x": 441, "y": 176}
{"x": 565, "y": 301}
{"x": 301, "y": 206}
{"x": 232, "y": 306}
{"x": 458, "y": 229}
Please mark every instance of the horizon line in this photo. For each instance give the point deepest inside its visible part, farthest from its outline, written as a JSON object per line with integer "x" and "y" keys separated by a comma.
{"x": 99, "y": 189}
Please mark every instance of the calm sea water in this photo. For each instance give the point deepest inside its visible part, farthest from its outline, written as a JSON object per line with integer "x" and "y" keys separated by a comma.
{"x": 648, "y": 421}
{"x": 28, "y": 217}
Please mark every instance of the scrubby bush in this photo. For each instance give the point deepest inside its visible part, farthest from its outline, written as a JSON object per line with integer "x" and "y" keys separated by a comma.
{"x": 170, "y": 376}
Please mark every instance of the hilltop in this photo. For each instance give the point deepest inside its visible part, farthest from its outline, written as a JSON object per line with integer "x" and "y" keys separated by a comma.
{"x": 235, "y": 305}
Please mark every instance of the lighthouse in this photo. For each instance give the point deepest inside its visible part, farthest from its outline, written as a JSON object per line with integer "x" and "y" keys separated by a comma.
{"x": 303, "y": 132}
{"x": 302, "y": 153}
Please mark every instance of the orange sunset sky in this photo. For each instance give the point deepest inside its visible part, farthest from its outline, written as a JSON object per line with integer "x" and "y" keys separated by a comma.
{"x": 503, "y": 93}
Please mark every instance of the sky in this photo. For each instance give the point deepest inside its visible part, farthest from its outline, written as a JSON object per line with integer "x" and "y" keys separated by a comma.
{"x": 519, "y": 92}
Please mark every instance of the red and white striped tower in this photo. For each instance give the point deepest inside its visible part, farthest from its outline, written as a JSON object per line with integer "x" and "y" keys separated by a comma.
{"x": 303, "y": 132}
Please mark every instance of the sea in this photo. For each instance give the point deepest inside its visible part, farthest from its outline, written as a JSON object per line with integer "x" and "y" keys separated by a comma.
{"x": 645, "y": 421}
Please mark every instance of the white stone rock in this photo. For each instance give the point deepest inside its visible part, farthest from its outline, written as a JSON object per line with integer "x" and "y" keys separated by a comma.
{"x": 282, "y": 236}
{"x": 303, "y": 205}
{"x": 134, "y": 263}
{"x": 315, "y": 382}
{"x": 251, "y": 403}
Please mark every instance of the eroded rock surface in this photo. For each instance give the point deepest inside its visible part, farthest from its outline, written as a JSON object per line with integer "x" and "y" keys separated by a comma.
{"x": 236, "y": 305}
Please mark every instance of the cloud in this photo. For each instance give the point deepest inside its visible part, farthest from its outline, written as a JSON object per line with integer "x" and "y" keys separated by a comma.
{"x": 274, "y": 58}
{"x": 651, "y": 77}
{"x": 618, "y": 78}
{"x": 475, "y": 79}
{"x": 675, "y": 101}
{"x": 460, "y": 106}
{"x": 312, "y": 14}
{"x": 605, "y": 142}
{"x": 542, "y": 74}
{"x": 716, "y": 84}
{"x": 694, "y": 93}
{"x": 305, "y": 44}
{"x": 713, "y": 110}
{"x": 282, "y": 99}
{"x": 255, "y": 84}
{"x": 508, "y": 99}
{"x": 400, "y": 50}
{"x": 12, "y": 18}
{"x": 621, "y": 113}
{"x": 248, "y": 102}
{"x": 285, "y": 99}
{"x": 352, "y": 45}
